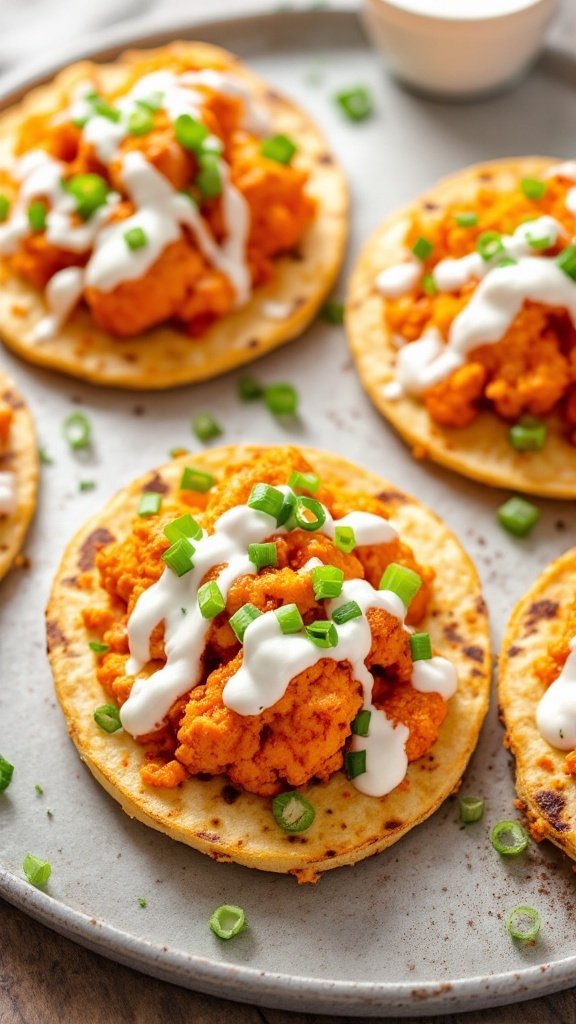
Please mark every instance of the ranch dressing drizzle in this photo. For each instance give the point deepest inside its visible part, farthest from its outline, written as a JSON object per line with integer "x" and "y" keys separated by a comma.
{"x": 556, "y": 712}
{"x": 8, "y": 498}
{"x": 494, "y": 306}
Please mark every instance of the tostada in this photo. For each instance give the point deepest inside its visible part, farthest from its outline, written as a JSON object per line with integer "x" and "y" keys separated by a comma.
{"x": 18, "y": 472}
{"x": 165, "y": 218}
{"x": 288, "y": 658}
{"x": 537, "y": 693}
{"x": 461, "y": 315}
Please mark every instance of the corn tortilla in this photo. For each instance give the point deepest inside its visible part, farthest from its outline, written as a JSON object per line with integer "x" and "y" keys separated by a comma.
{"x": 20, "y": 458}
{"x": 165, "y": 357}
{"x": 240, "y": 827}
{"x": 480, "y": 451}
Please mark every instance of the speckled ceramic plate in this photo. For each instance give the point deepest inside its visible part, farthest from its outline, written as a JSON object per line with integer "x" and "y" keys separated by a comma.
{"x": 418, "y": 929}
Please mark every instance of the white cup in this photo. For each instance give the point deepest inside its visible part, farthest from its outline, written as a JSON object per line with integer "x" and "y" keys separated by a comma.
{"x": 458, "y": 49}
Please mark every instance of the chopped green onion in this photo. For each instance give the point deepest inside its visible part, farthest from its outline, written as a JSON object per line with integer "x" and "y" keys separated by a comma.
{"x": 205, "y": 427}
{"x": 140, "y": 121}
{"x": 344, "y": 539}
{"x": 322, "y": 633}
{"x": 77, "y": 430}
{"x": 508, "y": 261}
{"x": 327, "y": 581}
{"x": 154, "y": 101}
{"x": 281, "y": 399}
{"x": 210, "y": 600}
{"x": 37, "y": 213}
{"x": 45, "y": 459}
{"x": 142, "y": 902}
{"x": 266, "y": 499}
{"x": 49, "y": 814}
{"x": 333, "y": 312}
{"x": 150, "y": 504}
{"x": 87, "y": 485}
{"x": 361, "y": 723}
{"x": 249, "y": 389}
{"x": 471, "y": 808}
{"x": 242, "y": 619}
{"x": 523, "y": 923}
{"x": 509, "y": 838}
{"x": 98, "y": 647}
{"x": 289, "y": 619}
{"x": 89, "y": 191}
{"x": 136, "y": 238}
{"x": 489, "y": 244}
{"x": 228, "y": 921}
{"x": 346, "y": 612}
{"x": 429, "y": 285}
{"x": 190, "y": 133}
{"x": 356, "y": 104}
{"x": 288, "y": 506}
{"x": 528, "y": 435}
{"x": 292, "y": 812}
{"x": 401, "y": 581}
{"x": 543, "y": 242}
{"x": 39, "y": 790}
{"x": 263, "y": 554}
{"x": 467, "y": 219}
{"x": 422, "y": 248}
{"x": 533, "y": 189}
{"x": 37, "y": 871}
{"x": 209, "y": 178}
{"x": 355, "y": 761}
{"x": 184, "y": 526}
{"x": 518, "y": 516}
{"x": 4, "y": 208}
{"x": 6, "y": 773}
{"x": 420, "y": 646}
{"x": 196, "y": 480}
{"x": 279, "y": 148}
{"x": 107, "y": 718}
{"x": 103, "y": 109}
{"x": 567, "y": 261}
{"x": 304, "y": 482}
{"x": 179, "y": 556}
{"x": 304, "y": 509}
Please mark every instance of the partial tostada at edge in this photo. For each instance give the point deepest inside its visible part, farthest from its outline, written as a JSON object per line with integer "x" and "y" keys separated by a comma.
{"x": 18, "y": 472}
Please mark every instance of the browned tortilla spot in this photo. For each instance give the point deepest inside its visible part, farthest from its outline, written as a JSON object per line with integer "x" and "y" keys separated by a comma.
{"x": 552, "y": 804}
{"x": 90, "y": 547}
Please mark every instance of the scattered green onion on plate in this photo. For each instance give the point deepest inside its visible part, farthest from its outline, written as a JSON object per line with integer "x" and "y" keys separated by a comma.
{"x": 293, "y": 812}
{"x": 228, "y": 921}
{"x": 509, "y": 838}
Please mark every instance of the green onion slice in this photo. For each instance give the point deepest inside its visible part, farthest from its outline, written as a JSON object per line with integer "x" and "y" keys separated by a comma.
{"x": 279, "y": 148}
{"x": 249, "y": 389}
{"x": 98, "y": 648}
{"x": 228, "y": 921}
{"x": 293, "y": 812}
{"x": 429, "y": 285}
{"x": 281, "y": 399}
{"x": 346, "y": 612}
{"x": 154, "y": 101}
{"x": 344, "y": 539}
{"x": 304, "y": 482}
{"x": 420, "y": 646}
{"x": 289, "y": 619}
{"x": 37, "y": 213}
{"x": 361, "y": 723}
{"x": 533, "y": 189}
{"x": 509, "y": 838}
{"x": 309, "y": 514}
{"x": 508, "y": 261}
{"x": 567, "y": 261}
{"x": 210, "y": 600}
{"x": 196, "y": 480}
{"x": 190, "y": 133}
{"x": 322, "y": 633}
{"x": 77, "y": 430}
{"x": 489, "y": 245}
{"x": 37, "y": 871}
{"x": 205, "y": 427}
{"x": 87, "y": 485}
{"x": 471, "y": 808}
{"x": 136, "y": 238}
{"x": 523, "y": 923}
{"x": 140, "y": 121}
{"x": 150, "y": 504}
{"x": 107, "y": 718}
{"x": 327, "y": 581}
{"x": 184, "y": 526}
{"x": 4, "y": 208}
{"x": 518, "y": 516}
{"x": 356, "y": 104}
{"x": 422, "y": 248}
{"x": 401, "y": 581}
{"x": 528, "y": 435}
{"x": 355, "y": 762}
{"x": 142, "y": 902}
{"x": 266, "y": 498}
{"x": 179, "y": 556}
{"x": 6, "y": 773}
{"x": 467, "y": 219}
{"x": 288, "y": 506}
{"x": 263, "y": 554}
{"x": 333, "y": 312}
{"x": 242, "y": 619}
{"x": 103, "y": 109}
{"x": 209, "y": 178}
{"x": 539, "y": 242}
{"x": 89, "y": 191}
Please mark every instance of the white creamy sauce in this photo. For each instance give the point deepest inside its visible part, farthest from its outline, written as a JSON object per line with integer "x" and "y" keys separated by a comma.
{"x": 63, "y": 292}
{"x": 8, "y": 496}
{"x": 393, "y": 282}
{"x": 498, "y": 299}
{"x": 435, "y": 675}
{"x": 276, "y": 310}
{"x": 556, "y": 712}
